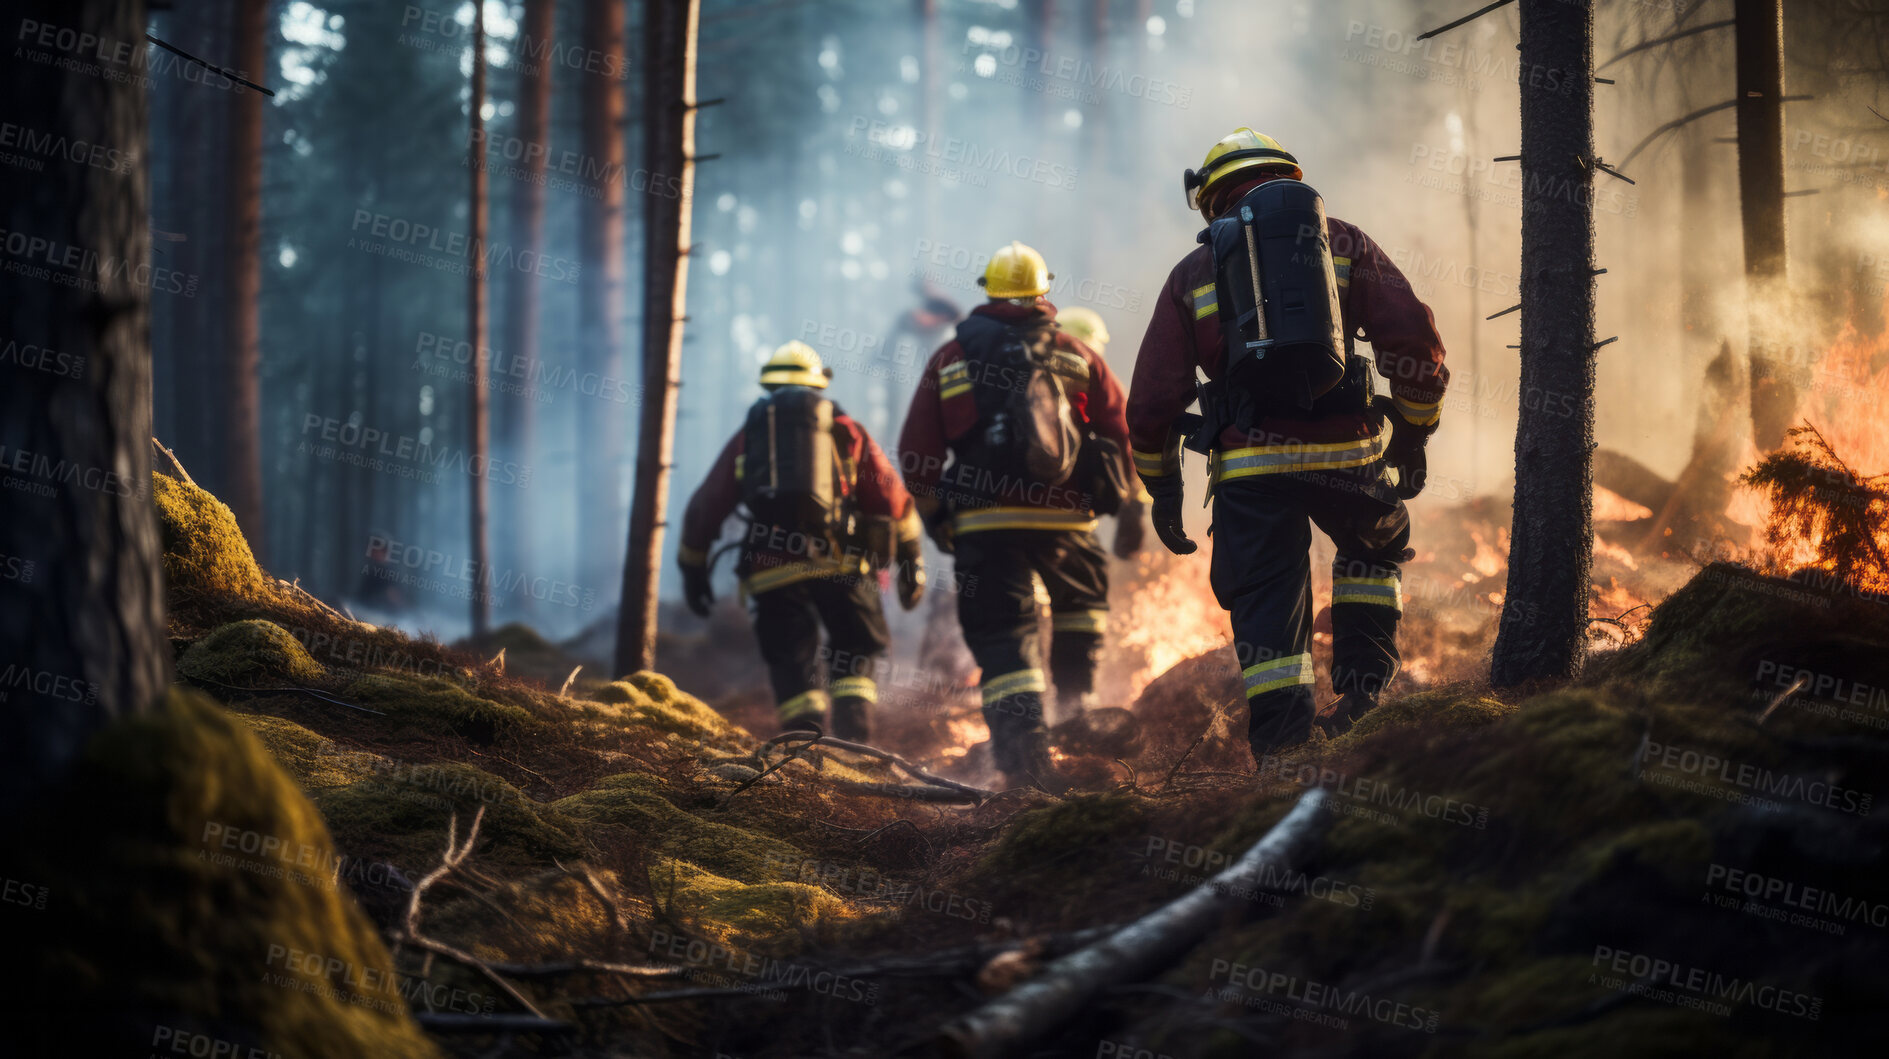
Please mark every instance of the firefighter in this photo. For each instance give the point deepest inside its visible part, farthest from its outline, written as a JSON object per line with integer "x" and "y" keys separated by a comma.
{"x": 1087, "y": 326}
{"x": 1270, "y": 475}
{"x": 800, "y": 453}
{"x": 1014, "y": 444}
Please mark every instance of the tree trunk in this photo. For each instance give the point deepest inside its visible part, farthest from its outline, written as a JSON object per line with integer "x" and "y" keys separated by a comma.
{"x": 193, "y": 327}
{"x": 668, "y": 148}
{"x": 242, "y": 359}
{"x": 521, "y": 308}
{"x": 82, "y": 628}
{"x": 599, "y": 440}
{"x": 478, "y": 425}
{"x": 1544, "y": 618}
{"x": 1760, "y": 74}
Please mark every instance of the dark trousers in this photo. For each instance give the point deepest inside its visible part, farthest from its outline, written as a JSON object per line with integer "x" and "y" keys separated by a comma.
{"x": 1262, "y": 573}
{"x": 995, "y": 570}
{"x": 787, "y": 622}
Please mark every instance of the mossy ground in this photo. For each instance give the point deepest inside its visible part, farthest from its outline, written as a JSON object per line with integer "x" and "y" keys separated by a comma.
{"x": 191, "y": 899}
{"x": 1482, "y": 849}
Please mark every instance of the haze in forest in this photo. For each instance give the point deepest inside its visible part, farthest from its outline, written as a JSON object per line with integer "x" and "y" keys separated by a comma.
{"x": 826, "y": 198}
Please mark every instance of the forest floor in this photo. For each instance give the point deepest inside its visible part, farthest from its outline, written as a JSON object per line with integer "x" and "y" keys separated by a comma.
{"x": 1676, "y": 852}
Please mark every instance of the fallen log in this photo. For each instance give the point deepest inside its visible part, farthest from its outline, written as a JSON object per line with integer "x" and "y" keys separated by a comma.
{"x": 1026, "y": 1014}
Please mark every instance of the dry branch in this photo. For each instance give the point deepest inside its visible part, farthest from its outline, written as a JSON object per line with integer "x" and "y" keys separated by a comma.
{"x": 961, "y": 960}
{"x": 176, "y": 467}
{"x": 1007, "y": 1025}
{"x": 1471, "y": 17}
{"x": 454, "y": 860}
{"x": 1667, "y": 39}
{"x": 911, "y": 770}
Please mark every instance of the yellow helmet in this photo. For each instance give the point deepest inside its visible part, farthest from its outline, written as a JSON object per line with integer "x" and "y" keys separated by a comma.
{"x": 1016, "y": 271}
{"x": 795, "y": 364}
{"x": 1242, "y": 149}
{"x": 1086, "y": 324}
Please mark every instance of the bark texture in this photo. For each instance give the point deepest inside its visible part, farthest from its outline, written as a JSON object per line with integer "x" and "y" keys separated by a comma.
{"x": 1760, "y": 74}
{"x": 600, "y": 294}
{"x": 242, "y": 354}
{"x": 1544, "y": 616}
{"x": 82, "y": 637}
{"x": 669, "y": 33}
{"x": 479, "y": 424}
{"x": 522, "y": 294}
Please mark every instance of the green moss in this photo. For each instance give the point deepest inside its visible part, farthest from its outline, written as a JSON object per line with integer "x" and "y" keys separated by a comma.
{"x": 635, "y": 802}
{"x": 764, "y": 917}
{"x": 185, "y": 870}
{"x": 1674, "y": 849}
{"x": 249, "y": 654}
{"x": 1072, "y": 848}
{"x": 314, "y": 762}
{"x": 651, "y": 700}
{"x": 1452, "y": 709}
{"x": 205, "y": 553}
{"x": 1634, "y": 1032}
{"x": 440, "y": 707}
{"x": 403, "y": 810}
{"x": 619, "y": 691}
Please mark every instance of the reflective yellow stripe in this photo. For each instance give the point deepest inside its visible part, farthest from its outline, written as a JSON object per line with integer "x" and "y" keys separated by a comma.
{"x": 802, "y": 570}
{"x": 954, "y": 390}
{"x": 804, "y": 704}
{"x": 1342, "y": 267}
{"x": 1080, "y": 621}
{"x": 739, "y": 460}
{"x": 856, "y": 688}
{"x": 954, "y": 378}
{"x": 688, "y": 556}
{"x": 1000, "y": 518}
{"x": 1279, "y": 459}
{"x": 1149, "y": 464}
{"x": 1279, "y": 673}
{"x": 1417, "y": 412}
{"x": 794, "y": 377}
{"x": 1380, "y": 591}
{"x": 910, "y": 527}
{"x": 1017, "y": 683}
{"x": 1205, "y": 300}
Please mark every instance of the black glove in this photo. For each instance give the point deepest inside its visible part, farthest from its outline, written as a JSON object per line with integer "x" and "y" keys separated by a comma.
{"x": 942, "y": 534}
{"x": 1165, "y": 513}
{"x": 1405, "y": 451}
{"x": 695, "y": 590}
{"x": 911, "y": 580}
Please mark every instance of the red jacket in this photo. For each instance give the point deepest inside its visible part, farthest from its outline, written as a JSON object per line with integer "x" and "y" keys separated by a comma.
{"x": 771, "y": 559}
{"x": 944, "y": 410}
{"x": 1184, "y": 334}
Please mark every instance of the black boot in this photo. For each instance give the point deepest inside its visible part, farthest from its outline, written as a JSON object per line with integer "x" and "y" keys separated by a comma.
{"x": 1019, "y": 741}
{"x": 1342, "y": 714}
{"x": 852, "y": 719}
{"x": 1278, "y": 721}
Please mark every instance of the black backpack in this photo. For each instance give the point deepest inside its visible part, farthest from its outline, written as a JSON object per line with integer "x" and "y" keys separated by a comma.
{"x": 1026, "y": 425}
{"x": 1272, "y": 251}
{"x": 790, "y": 464}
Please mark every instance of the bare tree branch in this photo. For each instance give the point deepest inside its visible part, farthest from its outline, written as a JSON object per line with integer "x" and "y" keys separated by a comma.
{"x": 1471, "y": 17}
{"x": 1667, "y": 39}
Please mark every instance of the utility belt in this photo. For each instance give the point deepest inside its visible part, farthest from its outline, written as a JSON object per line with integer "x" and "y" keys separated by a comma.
{"x": 1097, "y": 485}
{"x": 856, "y": 544}
{"x": 1225, "y": 406}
